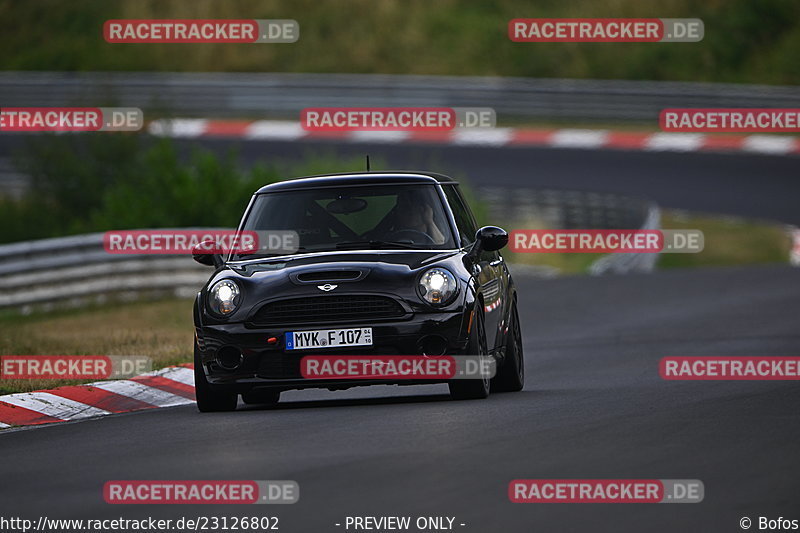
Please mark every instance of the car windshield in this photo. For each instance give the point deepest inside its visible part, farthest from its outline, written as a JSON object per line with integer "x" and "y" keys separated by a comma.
{"x": 354, "y": 218}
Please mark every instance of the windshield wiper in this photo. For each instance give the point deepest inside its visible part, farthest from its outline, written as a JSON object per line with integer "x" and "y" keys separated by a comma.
{"x": 375, "y": 244}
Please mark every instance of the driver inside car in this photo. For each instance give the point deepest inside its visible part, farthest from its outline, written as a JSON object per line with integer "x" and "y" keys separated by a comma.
{"x": 413, "y": 214}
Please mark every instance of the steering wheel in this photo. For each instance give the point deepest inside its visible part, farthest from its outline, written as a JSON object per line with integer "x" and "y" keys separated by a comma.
{"x": 412, "y": 235}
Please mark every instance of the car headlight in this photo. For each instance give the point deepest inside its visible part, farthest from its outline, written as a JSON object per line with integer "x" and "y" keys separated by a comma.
{"x": 224, "y": 297}
{"x": 437, "y": 286}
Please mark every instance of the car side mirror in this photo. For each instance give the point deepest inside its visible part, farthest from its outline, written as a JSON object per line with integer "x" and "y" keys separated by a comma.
{"x": 491, "y": 238}
{"x": 488, "y": 239}
{"x": 202, "y": 253}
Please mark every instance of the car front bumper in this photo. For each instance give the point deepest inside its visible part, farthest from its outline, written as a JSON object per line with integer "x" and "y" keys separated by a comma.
{"x": 270, "y": 366}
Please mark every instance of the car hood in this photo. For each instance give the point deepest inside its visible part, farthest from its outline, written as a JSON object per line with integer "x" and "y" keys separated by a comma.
{"x": 306, "y": 275}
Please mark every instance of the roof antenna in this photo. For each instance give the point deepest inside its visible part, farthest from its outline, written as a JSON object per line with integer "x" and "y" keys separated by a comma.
{"x": 367, "y": 162}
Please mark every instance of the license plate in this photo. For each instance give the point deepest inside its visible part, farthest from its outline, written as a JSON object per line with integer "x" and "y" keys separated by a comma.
{"x": 328, "y": 338}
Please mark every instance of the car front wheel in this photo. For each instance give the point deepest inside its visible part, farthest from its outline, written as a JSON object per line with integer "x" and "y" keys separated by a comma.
{"x": 511, "y": 375}
{"x": 208, "y": 400}
{"x": 473, "y": 389}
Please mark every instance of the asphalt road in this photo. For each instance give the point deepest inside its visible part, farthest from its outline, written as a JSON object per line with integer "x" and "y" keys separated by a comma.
{"x": 741, "y": 184}
{"x": 594, "y": 407}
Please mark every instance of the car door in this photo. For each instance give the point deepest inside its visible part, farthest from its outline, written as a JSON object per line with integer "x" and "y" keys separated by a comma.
{"x": 488, "y": 270}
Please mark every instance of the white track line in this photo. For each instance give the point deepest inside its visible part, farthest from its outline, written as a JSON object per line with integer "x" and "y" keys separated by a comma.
{"x": 143, "y": 393}
{"x": 379, "y": 136}
{"x": 571, "y": 138}
{"x": 52, "y": 405}
{"x": 769, "y": 144}
{"x": 274, "y": 129}
{"x": 180, "y": 374}
{"x": 3, "y": 426}
{"x": 181, "y": 127}
{"x": 483, "y": 136}
{"x": 675, "y": 142}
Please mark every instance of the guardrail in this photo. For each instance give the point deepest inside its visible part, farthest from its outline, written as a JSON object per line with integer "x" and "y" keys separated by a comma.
{"x": 282, "y": 95}
{"x": 76, "y": 271}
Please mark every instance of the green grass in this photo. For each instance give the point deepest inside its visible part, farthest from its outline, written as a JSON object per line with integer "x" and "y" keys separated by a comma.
{"x": 161, "y": 330}
{"x": 745, "y": 40}
{"x": 563, "y": 263}
{"x": 728, "y": 241}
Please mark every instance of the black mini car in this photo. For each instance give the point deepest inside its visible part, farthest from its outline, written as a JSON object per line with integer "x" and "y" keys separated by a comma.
{"x": 391, "y": 262}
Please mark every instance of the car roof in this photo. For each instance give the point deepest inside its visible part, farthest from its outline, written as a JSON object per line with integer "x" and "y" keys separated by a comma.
{"x": 383, "y": 177}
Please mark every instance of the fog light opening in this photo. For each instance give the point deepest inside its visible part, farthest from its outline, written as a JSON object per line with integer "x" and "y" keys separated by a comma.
{"x": 433, "y": 345}
{"x": 229, "y": 357}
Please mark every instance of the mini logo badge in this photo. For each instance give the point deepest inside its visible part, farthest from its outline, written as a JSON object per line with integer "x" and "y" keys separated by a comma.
{"x": 327, "y": 287}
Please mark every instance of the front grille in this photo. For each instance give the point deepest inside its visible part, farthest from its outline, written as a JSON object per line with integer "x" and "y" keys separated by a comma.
{"x": 321, "y": 309}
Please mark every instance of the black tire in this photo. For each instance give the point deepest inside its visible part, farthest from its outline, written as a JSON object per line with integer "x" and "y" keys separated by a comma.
{"x": 262, "y": 397}
{"x": 511, "y": 374}
{"x": 208, "y": 400}
{"x": 473, "y": 389}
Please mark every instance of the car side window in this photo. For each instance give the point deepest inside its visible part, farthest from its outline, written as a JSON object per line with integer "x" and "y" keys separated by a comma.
{"x": 464, "y": 221}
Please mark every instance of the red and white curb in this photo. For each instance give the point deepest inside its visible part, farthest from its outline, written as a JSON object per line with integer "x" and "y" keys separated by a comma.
{"x": 167, "y": 387}
{"x": 554, "y": 138}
